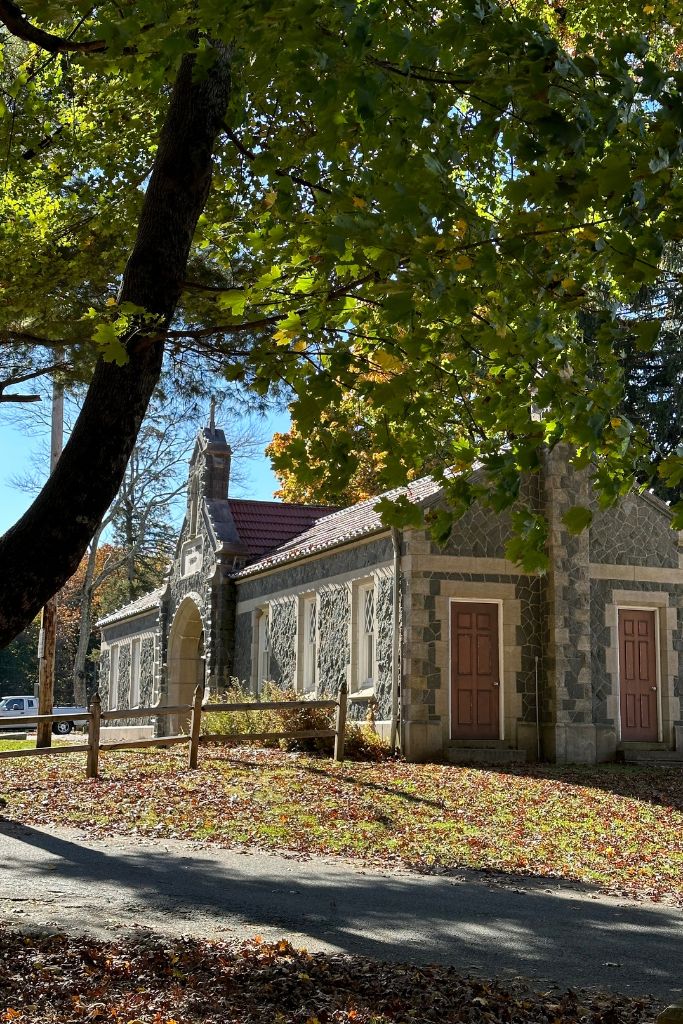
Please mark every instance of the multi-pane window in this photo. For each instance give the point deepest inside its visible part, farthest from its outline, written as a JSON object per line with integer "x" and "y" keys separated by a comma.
{"x": 366, "y": 653}
{"x": 310, "y": 625}
{"x": 264, "y": 647}
{"x": 114, "y": 676}
{"x": 135, "y": 673}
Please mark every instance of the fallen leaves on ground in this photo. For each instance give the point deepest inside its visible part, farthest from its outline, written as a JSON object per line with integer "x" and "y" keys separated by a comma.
{"x": 59, "y": 980}
{"x": 616, "y": 827}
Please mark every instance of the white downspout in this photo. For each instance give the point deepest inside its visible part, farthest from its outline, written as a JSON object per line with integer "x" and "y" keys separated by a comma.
{"x": 396, "y": 637}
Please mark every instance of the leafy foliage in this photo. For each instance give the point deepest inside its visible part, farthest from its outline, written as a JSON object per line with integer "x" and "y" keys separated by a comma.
{"x": 617, "y": 828}
{"x": 435, "y": 189}
{"x": 57, "y": 979}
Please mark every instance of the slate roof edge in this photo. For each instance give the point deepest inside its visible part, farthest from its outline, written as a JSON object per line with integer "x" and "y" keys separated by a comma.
{"x": 288, "y": 558}
{"x": 144, "y": 604}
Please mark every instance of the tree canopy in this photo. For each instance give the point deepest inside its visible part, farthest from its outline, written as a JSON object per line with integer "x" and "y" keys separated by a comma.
{"x": 311, "y": 192}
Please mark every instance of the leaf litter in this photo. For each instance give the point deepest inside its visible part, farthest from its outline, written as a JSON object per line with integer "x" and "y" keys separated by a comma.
{"x": 617, "y": 828}
{"x": 59, "y": 979}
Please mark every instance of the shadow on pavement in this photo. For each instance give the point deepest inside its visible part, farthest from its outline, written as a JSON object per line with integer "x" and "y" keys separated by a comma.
{"x": 529, "y": 928}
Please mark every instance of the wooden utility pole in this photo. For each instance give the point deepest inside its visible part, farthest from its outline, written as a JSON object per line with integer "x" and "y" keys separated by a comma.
{"x": 48, "y": 620}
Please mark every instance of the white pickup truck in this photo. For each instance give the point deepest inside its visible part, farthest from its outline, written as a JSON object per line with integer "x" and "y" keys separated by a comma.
{"x": 19, "y": 707}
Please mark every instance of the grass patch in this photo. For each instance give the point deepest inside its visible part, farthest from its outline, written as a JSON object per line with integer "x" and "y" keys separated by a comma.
{"x": 16, "y": 744}
{"x": 616, "y": 827}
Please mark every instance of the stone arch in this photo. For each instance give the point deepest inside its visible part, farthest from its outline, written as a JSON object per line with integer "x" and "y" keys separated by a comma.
{"x": 186, "y": 665}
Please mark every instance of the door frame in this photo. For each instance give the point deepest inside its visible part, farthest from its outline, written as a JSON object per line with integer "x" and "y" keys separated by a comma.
{"x": 501, "y": 662}
{"x": 658, "y": 667}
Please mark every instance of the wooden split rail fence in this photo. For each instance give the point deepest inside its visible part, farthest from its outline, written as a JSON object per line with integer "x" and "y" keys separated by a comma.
{"x": 95, "y": 718}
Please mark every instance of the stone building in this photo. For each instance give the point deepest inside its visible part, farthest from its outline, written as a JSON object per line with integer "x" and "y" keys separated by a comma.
{"x": 471, "y": 657}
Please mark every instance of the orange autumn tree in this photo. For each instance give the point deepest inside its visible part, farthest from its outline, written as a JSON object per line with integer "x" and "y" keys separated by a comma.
{"x": 93, "y": 583}
{"x": 356, "y": 434}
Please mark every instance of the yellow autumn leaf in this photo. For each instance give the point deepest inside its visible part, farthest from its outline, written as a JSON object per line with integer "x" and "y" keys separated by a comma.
{"x": 463, "y": 262}
{"x": 359, "y": 203}
{"x": 299, "y": 346}
{"x": 269, "y": 199}
{"x": 460, "y": 228}
{"x": 283, "y": 337}
{"x": 568, "y": 283}
{"x": 387, "y": 360}
{"x": 110, "y": 302}
{"x": 616, "y": 422}
{"x": 649, "y": 9}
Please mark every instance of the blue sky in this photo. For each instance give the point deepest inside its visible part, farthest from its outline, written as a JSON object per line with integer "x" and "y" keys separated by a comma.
{"x": 15, "y": 453}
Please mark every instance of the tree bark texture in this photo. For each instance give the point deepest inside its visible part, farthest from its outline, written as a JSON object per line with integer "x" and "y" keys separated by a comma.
{"x": 42, "y": 550}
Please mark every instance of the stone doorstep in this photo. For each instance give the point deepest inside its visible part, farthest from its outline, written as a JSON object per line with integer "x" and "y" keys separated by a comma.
{"x": 653, "y": 756}
{"x": 485, "y": 755}
{"x": 648, "y": 753}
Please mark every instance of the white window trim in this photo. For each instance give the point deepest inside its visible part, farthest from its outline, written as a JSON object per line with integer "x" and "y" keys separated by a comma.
{"x": 307, "y": 651}
{"x": 360, "y": 684}
{"x": 114, "y": 675}
{"x": 263, "y": 671}
{"x": 135, "y": 656}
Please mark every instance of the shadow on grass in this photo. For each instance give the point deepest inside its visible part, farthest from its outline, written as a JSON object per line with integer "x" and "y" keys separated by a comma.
{"x": 532, "y": 929}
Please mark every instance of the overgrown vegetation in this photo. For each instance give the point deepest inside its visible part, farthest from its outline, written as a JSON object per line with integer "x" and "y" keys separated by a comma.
{"x": 616, "y": 827}
{"x": 362, "y": 740}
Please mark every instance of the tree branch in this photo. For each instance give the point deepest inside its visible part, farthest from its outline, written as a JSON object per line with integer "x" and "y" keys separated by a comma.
{"x": 280, "y": 172}
{"x": 16, "y": 22}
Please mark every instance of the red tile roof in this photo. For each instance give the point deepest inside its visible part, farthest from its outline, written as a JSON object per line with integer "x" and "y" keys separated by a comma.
{"x": 339, "y": 527}
{"x": 264, "y": 526}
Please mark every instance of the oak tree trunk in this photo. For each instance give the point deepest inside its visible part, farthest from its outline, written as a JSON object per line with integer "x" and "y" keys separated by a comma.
{"x": 42, "y": 550}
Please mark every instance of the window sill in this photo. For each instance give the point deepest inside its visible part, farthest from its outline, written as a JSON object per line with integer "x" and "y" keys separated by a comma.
{"x": 365, "y": 693}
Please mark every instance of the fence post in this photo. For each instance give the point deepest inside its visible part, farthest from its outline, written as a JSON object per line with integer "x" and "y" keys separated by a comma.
{"x": 92, "y": 771}
{"x": 195, "y": 726}
{"x": 341, "y": 723}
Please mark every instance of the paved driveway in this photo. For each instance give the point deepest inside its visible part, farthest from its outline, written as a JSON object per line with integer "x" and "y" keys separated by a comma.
{"x": 545, "y": 932}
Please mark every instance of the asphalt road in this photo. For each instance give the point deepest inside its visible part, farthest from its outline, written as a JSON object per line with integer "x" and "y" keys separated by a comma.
{"x": 537, "y": 930}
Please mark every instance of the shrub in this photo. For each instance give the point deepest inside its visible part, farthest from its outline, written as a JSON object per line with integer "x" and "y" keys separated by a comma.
{"x": 362, "y": 742}
{"x": 253, "y": 722}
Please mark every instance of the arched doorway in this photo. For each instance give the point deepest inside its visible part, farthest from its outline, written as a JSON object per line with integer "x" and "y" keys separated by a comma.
{"x": 185, "y": 660}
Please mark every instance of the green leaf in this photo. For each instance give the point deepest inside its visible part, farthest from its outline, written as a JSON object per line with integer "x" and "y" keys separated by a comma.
{"x": 107, "y": 340}
{"x": 577, "y": 518}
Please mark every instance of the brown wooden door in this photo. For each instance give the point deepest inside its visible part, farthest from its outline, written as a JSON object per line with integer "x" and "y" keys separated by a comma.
{"x": 638, "y": 674}
{"x": 475, "y": 679}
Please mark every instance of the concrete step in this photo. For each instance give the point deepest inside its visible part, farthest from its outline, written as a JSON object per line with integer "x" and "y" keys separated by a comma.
{"x": 458, "y": 754}
{"x": 641, "y": 745}
{"x": 654, "y": 756}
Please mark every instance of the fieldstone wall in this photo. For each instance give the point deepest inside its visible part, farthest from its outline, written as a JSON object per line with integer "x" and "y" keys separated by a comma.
{"x": 147, "y": 672}
{"x": 334, "y": 653}
{"x": 244, "y": 639}
{"x": 568, "y": 689}
{"x": 384, "y": 615}
{"x": 123, "y": 687}
{"x": 480, "y": 533}
{"x": 283, "y": 633}
{"x": 360, "y": 560}
{"x": 637, "y": 531}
